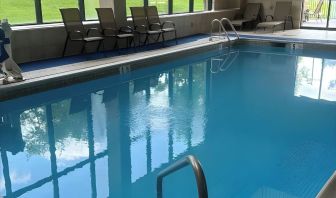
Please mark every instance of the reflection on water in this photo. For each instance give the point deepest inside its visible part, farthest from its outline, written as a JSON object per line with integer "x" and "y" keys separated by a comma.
{"x": 141, "y": 124}
{"x": 316, "y": 78}
{"x": 110, "y": 137}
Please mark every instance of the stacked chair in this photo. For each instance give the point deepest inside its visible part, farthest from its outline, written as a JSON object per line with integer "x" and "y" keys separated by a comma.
{"x": 146, "y": 25}
{"x": 251, "y": 15}
{"x": 282, "y": 16}
{"x": 142, "y": 27}
{"x": 109, "y": 27}
{"x": 76, "y": 31}
{"x": 154, "y": 22}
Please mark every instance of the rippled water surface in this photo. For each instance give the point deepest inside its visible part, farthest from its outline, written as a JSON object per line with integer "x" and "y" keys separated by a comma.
{"x": 261, "y": 121}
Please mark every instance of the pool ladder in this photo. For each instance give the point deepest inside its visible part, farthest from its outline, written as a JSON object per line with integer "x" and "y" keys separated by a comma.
{"x": 222, "y": 33}
{"x": 221, "y": 63}
{"x": 198, "y": 171}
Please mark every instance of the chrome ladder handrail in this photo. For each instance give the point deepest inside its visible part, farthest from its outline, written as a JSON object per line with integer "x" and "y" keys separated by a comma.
{"x": 232, "y": 27}
{"x": 222, "y": 28}
{"x": 221, "y": 67}
{"x": 198, "y": 171}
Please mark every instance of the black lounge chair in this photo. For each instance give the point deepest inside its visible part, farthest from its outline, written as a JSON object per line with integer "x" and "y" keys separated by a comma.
{"x": 282, "y": 15}
{"x": 155, "y": 23}
{"x": 140, "y": 24}
{"x": 110, "y": 28}
{"x": 251, "y": 15}
{"x": 75, "y": 29}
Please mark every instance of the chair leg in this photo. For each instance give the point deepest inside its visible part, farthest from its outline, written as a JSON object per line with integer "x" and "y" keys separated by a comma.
{"x": 65, "y": 45}
{"x": 163, "y": 39}
{"x": 99, "y": 44}
{"x": 175, "y": 37}
{"x": 116, "y": 45}
{"x": 146, "y": 40}
{"x": 133, "y": 41}
{"x": 83, "y": 47}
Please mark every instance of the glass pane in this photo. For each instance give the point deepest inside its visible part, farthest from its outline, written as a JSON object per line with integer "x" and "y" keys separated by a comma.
{"x": 180, "y": 6}
{"x": 315, "y": 13}
{"x": 308, "y": 77}
{"x": 133, "y": 3}
{"x": 18, "y": 11}
{"x": 199, "y": 5}
{"x": 328, "y": 87}
{"x": 162, "y": 5}
{"x": 90, "y": 9}
{"x": 50, "y": 9}
{"x": 332, "y": 17}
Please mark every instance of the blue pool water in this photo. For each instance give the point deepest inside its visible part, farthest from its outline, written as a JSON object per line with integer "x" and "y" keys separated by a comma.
{"x": 261, "y": 120}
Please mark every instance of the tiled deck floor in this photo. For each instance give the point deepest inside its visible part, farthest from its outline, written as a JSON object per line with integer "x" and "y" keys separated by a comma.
{"x": 28, "y": 67}
{"x": 48, "y": 68}
{"x": 302, "y": 34}
{"x": 319, "y": 23}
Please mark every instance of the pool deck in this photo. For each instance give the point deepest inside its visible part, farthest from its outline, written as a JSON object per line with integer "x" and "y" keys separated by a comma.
{"x": 44, "y": 75}
{"x": 93, "y": 66}
{"x": 296, "y": 35}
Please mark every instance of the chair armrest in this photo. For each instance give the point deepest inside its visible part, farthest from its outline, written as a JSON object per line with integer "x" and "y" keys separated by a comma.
{"x": 126, "y": 29}
{"x": 267, "y": 16}
{"x": 289, "y": 17}
{"x": 76, "y": 32}
{"x": 93, "y": 29}
{"x": 140, "y": 26}
{"x": 155, "y": 24}
{"x": 113, "y": 30}
{"x": 239, "y": 16}
{"x": 168, "y": 22}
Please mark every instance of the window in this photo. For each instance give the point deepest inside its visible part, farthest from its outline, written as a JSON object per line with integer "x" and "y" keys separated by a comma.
{"x": 180, "y": 6}
{"x": 90, "y": 9}
{"x": 50, "y": 9}
{"x": 18, "y": 11}
{"x": 133, "y": 3}
{"x": 162, "y": 5}
{"x": 199, "y": 5}
{"x": 47, "y": 11}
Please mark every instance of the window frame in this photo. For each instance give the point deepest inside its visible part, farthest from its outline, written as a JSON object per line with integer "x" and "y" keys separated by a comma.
{"x": 207, "y": 7}
{"x": 81, "y": 6}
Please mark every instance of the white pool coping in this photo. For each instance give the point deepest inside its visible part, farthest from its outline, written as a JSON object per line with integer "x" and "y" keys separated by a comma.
{"x": 41, "y": 80}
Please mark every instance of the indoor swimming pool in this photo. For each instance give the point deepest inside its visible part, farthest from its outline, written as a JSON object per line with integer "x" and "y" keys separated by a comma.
{"x": 260, "y": 119}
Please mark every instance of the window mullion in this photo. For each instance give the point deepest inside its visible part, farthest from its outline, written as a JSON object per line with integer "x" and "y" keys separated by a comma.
{"x": 81, "y": 9}
{"x": 191, "y": 5}
{"x": 145, "y": 2}
{"x": 38, "y": 12}
{"x": 170, "y": 6}
{"x": 209, "y": 4}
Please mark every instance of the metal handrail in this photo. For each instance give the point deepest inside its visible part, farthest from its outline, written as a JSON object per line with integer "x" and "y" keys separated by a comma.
{"x": 232, "y": 27}
{"x": 230, "y": 63}
{"x": 198, "y": 171}
{"x": 220, "y": 29}
{"x": 221, "y": 67}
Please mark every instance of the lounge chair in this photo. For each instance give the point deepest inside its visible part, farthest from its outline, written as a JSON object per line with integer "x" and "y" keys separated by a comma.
{"x": 316, "y": 13}
{"x": 75, "y": 29}
{"x": 141, "y": 26}
{"x": 109, "y": 27}
{"x": 155, "y": 23}
{"x": 251, "y": 15}
{"x": 282, "y": 15}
